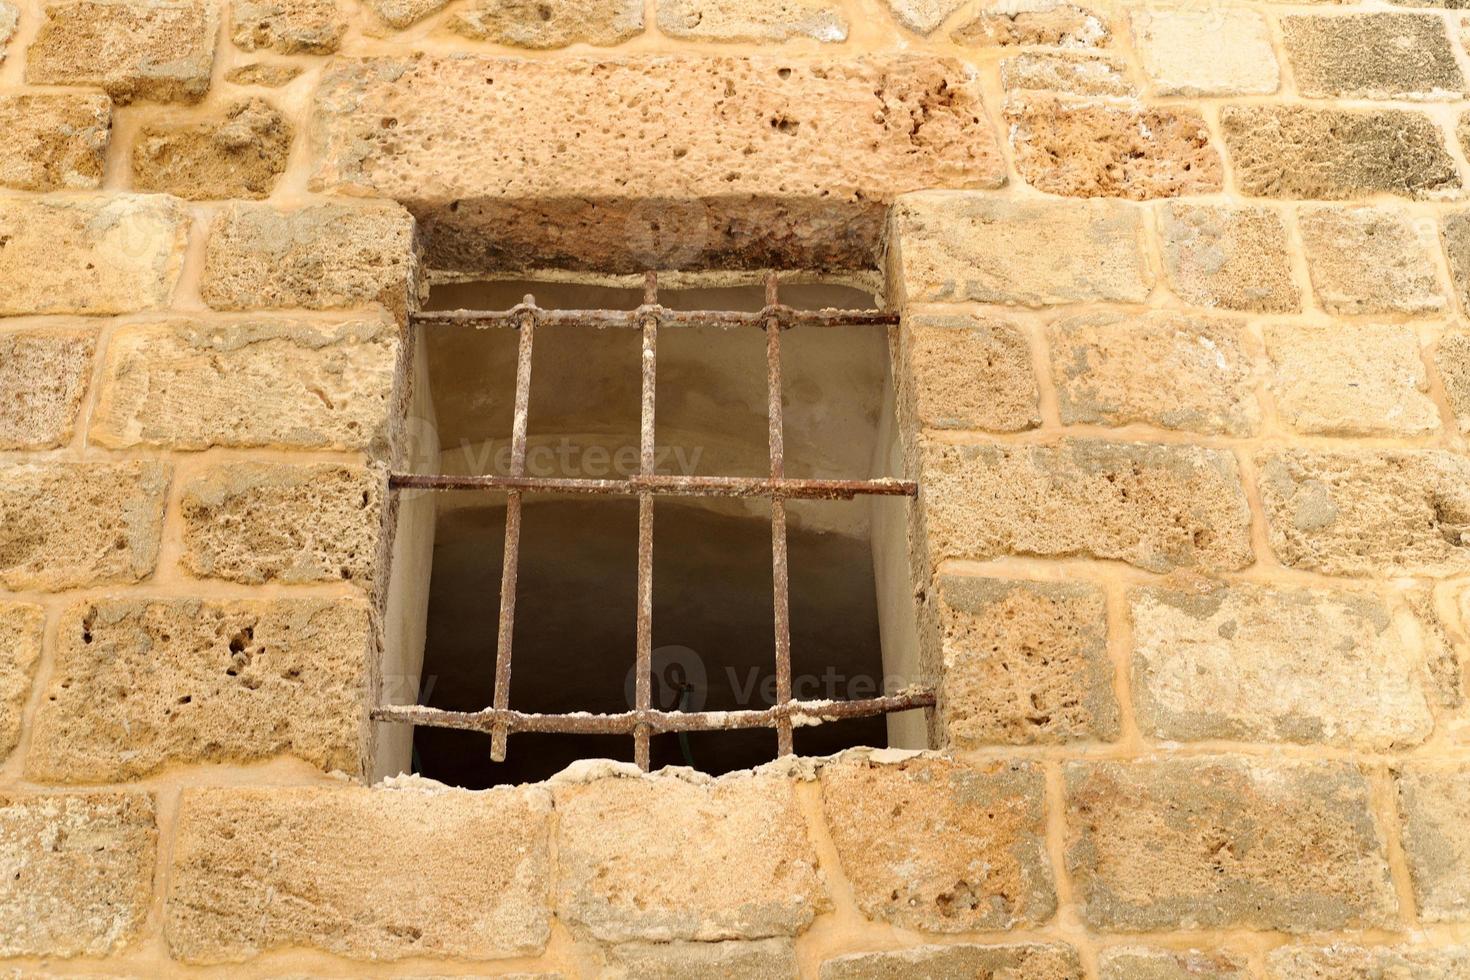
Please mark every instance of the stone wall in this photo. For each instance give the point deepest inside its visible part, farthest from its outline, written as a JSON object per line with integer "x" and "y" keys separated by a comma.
{"x": 1184, "y": 374}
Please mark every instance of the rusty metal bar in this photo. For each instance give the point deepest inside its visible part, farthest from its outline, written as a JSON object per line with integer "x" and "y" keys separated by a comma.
{"x": 646, "y": 460}
{"x": 781, "y": 590}
{"x": 633, "y": 319}
{"x": 659, "y": 484}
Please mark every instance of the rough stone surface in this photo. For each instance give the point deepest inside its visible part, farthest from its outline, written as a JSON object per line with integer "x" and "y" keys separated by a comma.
{"x": 1144, "y": 963}
{"x": 249, "y": 381}
{"x": 753, "y": 21}
{"x": 1160, "y": 368}
{"x": 624, "y": 844}
{"x": 1372, "y": 56}
{"x": 1226, "y": 842}
{"x": 288, "y": 26}
{"x": 66, "y": 525}
{"x": 206, "y": 681}
{"x": 43, "y": 375}
{"x": 263, "y": 73}
{"x": 161, "y": 50}
{"x": 1332, "y": 154}
{"x": 1442, "y": 654}
{"x": 1371, "y": 512}
{"x": 527, "y": 24}
{"x": 1023, "y": 961}
{"x": 956, "y": 247}
{"x": 1349, "y": 379}
{"x": 1260, "y": 664}
{"x": 1112, "y": 150}
{"x": 923, "y": 16}
{"x": 405, "y": 13}
{"x": 1206, "y": 51}
{"x": 1433, "y": 801}
{"x": 384, "y": 873}
{"x": 1154, "y": 506}
{"x": 1370, "y": 260}
{"x": 941, "y": 846}
{"x": 1070, "y": 74}
{"x": 239, "y": 155}
{"x": 78, "y": 872}
{"x": 92, "y": 254}
{"x": 1343, "y": 962}
{"x": 1455, "y": 233}
{"x": 320, "y": 257}
{"x": 762, "y": 959}
{"x": 1041, "y": 22}
{"x": 9, "y": 20}
{"x": 1232, "y": 258}
{"x": 1452, "y": 361}
{"x": 1024, "y": 662}
{"x": 54, "y": 141}
{"x": 968, "y": 372}
{"x": 21, "y": 626}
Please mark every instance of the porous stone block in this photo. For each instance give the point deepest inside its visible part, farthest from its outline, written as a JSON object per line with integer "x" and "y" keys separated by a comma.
{"x": 399, "y": 14}
{"x": 961, "y": 961}
{"x": 319, "y": 257}
{"x": 1154, "y": 506}
{"x": 1442, "y": 654}
{"x": 923, "y": 16}
{"x": 1166, "y": 369}
{"x": 206, "y": 681}
{"x": 1224, "y": 842}
{"x": 751, "y": 21}
{"x": 1372, "y": 56}
{"x": 1370, "y": 512}
{"x": 1332, "y": 154}
{"x": 624, "y": 843}
{"x": 9, "y": 20}
{"x": 44, "y": 374}
{"x": 1039, "y": 22}
{"x": 1070, "y": 74}
{"x": 67, "y": 525}
{"x": 1345, "y": 962}
{"x": 409, "y": 869}
{"x": 1200, "y": 51}
{"x": 1452, "y": 361}
{"x": 1370, "y": 260}
{"x": 969, "y": 372}
{"x": 263, "y": 73}
{"x": 1231, "y": 258}
{"x": 250, "y": 381}
{"x": 1433, "y": 800}
{"x": 1455, "y": 234}
{"x": 54, "y": 141}
{"x": 526, "y": 24}
{"x": 239, "y": 155}
{"x": 1254, "y": 663}
{"x": 1024, "y": 662}
{"x": 941, "y": 846}
{"x": 91, "y": 254}
{"x": 1350, "y": 380}
{"x": 1147, "y": 963}
{"x": 955, "y": 247}
{"x": 288, "y": 26}
{"x": 160, "y": 50}
{"x": 761, "y": 959}
{"x": 1101, "y": 149}
{"x": 78, "y": 872}
{"x": 797, "y": 169}
{"x": 21, "y": 626}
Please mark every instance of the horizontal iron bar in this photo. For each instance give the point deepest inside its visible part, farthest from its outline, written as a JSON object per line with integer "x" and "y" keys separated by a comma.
{"x": 801, "y": 713}
{"x": 666, "y": 317}
{"x": 681, "y": 486}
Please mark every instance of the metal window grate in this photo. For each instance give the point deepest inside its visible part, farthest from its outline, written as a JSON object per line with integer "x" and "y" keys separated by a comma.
{"x": 499, "y": 720}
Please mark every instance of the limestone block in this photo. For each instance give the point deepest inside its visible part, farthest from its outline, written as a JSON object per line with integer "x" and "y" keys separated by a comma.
{"x": 923, "y": 16}
{"x": 954, "y": 247}
{"x": 1225, "y": 842}
{"x": 1344, "y": 962}
{"x": 239, "y": 155}
{"x": 1024, "y": 662}
{"x": 1206, "y": 51}
{"x": 1070, "y": 74}
{"x": 1370, "y": 260}
{"x": 1167, "y": 369}
{"x": 263, "y": 73}
{"x": 963, "y": 961}
{"x": 288, "y": 26}
{"x": 1232, "y": 258}
{"x": 1154, "y": 506}
{"x": 941, "y": 846}
{"x": 44, "y": 374}
{"x": 158, "y": 50}
{"x": 9, "y": 20}
{"x": 399, "y": 14}
{"x": 752, "y": 21}
{"x": 1455, "y": 233}
{"x": 78, "y": 872}
{"x": 21, "y": 626}
{"x": 1372, "y": 512}
{"x": 1146, "y": 963}
{"x": 762, "y": 959}
{"x": 54, "y": 141}
{"x": 92, "y": 254}
{"x": 416, "y": 869}
{"x": 1372, "y": 56}
{"x": 206, "y": 681}
{"x": 1452, "y": 361}
{"x": 526, "y": 24}
{"x": 969, "y": 372}
{"x": 1348, "y": 379}
{"x": 1433, "y": 801}
{"x": 67, "y": 525}
{"x": 1442, "y": 654}
{"x": 1041, "y": 22}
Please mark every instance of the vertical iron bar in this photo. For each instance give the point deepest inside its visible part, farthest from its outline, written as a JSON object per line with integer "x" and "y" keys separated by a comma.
{"x": 646, "y": 462}
{"x": 778, "y": 522}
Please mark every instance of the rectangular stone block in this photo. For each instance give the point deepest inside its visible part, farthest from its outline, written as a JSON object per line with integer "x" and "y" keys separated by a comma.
{"x": 21, "y": 628}
{"x": 1154, "y": 506}
{"x": 752, "y": 21}
{"x": 207, "y": 681}
{"x": 250, "y": 381}
{"x": 410, "y": 869}
{"x": 44, "y": 374}
{"x": 1371, "y": 260}
{"x": 238, "y": 153}
{"x": 957, "y": 248}
{"x": 745, "y": 162}
{"x": 962, "y": 961}
{"x": 92, "y": 254}
{"x": 1203, "y": 52}
{"x": 1145, "y": 963}
{"x": 288, "y": 26}
{"x": 761, "y": 959}
{"x": 1045, "y": 71}
{"x": 1349, "y": 379}
{"x": 1452, "y": 361}
{"x": 968, "y": 372}
{"x": 68, "y": 525}
{"x": 1044, "y": 22}
{"x": 1345, "y": 962}
{"x": 78, "y": 872}
{"x": 1226, "y": 843}
{"x": 1229, "y": 258}
{"x": 160, "y": 50}
{"x": 941, "y": 846}
{"x": 1372, "y": 56}
{"x": 1433, "y": 800}
{"x": 601, "y": 22}
{"x": 54, "y": 141}
{"x": 1455, "y": 234}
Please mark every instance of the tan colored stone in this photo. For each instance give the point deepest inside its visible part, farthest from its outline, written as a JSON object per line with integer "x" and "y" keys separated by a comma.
{"x": 1433, "y": 801}
{"x": 66, "y": 525}
{"x": 263, "y": 73}
{"x": 1205, "y": 51}
{"x": 963, "y": 961}
{"x": 417, "y": 869}
{"x": 956, "y": 247}
{"x": 1252, "y": 663}
{"x": 1370, "y": 260}
{"x": 1070, "y": 74}
{"x": 288, "y": 26}
{"x": 1455, "y": 233}
{"x": 1232, "y": 258}
{"x": 1154, "y": 506}
{"x": 21, "y": 625}
{"x": 205, "y": 681}
{"x": 1343, "y": 962}
{"x": 239, "y": 155}
{"x": 54, "y": 141}
{"x": 43, "y": 374}
{"x": 1333, "y": 154}
{"x": 1100, "y": 149}
{"x": 405, "y": 13}
{"x": 159, "y": 50}
{"x": 1347, "y": 379}
{"x": 1442, "y": 659}
{"x": 320, "y": 257}
{"x": 1226, "y": 842}
{"x": 923, "y": 16}
{"x": 78, "y": 872}
{"x": 969, "y": 372}
{"x": 532, "y": 24}
{"x": 752, "y": 21}
{"x": 1144, "y": 963}
{"x": 1046, "y": 22}
{"x": 1372, "y": 56}
{"x": 1383, "y": 512}
{"x": 1452, "y": 361}
{"x": 9, "y": 20}
{"x": 941, "y": 846}
{"x": 624, "y": 846}
{"x": 763, "y": 959}
{"x": 90, "y": 254}
{"x": 1024, "y": 662}
{"x": 1159, "y": 368}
